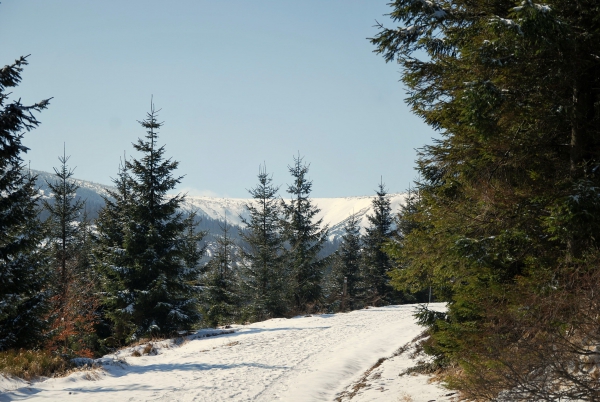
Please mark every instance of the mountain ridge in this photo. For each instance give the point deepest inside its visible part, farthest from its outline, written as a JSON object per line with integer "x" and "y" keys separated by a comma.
{"x": 335, "y": 211}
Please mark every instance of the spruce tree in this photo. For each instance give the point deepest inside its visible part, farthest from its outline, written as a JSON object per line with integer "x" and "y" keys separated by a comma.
{"x": 150, "y": 275}
{"x": 305, "y": 239}
{"x": 220, "y": 282}
{"x": 265, "y": 277}
{"x": 377, "y": 263}
{"x": 65, "y": 212}
{"x": 23, "y": 278}
{"x": 347, "y": 267}
{"x": 73, "y": 285}
{"x": 508, "y": 209}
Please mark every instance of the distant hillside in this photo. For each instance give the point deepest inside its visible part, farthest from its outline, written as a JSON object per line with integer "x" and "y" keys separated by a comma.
{"x": 334, "y": 211}
{"x": 213, "y": 210}
{"x": 94, "y": 193}
{"x": 89, "y": 191}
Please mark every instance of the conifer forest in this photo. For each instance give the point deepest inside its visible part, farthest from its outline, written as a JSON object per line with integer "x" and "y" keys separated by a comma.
{"x": 502, "y": 224}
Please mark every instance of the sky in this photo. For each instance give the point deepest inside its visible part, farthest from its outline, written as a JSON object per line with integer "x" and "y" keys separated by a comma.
{"x": 239, "y": 84}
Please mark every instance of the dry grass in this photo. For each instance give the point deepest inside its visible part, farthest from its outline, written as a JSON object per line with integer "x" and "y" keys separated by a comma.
{"x": 30, "y": 364}
{"x": 405, "y": 398}
{"x": 149, "y": 349}
{"x": 362, "y": 383}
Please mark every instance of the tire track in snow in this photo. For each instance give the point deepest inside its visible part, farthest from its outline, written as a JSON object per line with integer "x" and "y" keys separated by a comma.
{"x": 300, "y": 359}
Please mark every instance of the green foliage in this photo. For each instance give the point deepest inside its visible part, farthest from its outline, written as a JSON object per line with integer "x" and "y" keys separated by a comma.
{"x": 64, "y": 213}
{"x": 146, "y": 247}
{"x": 508, "y": 193}
{"x": 23, "y": 300}
{"x": 112, "y": 261}
{"x": 305, "y": 239}
{"x": 348, "y": 268}
{"x": 377, "y": 262}
{"x": 73, "y": 284}
{"x": 262, "y": 263}
{"x": 221, "y": 299}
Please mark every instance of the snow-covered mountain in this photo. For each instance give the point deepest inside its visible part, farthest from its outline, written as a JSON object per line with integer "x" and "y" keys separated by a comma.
{"x": 92, "y": 192}
{"x": 334, "y": 211}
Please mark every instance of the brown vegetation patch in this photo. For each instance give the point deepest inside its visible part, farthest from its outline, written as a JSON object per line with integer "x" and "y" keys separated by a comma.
{"x": 362, "y": 383}
{"x": 31, "y": 364}
{"x": 149, "y": 349}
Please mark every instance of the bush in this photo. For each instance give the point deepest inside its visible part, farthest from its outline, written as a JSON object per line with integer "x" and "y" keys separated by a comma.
{"x": 546, "y": 348}
{"x": 30, "y": 364}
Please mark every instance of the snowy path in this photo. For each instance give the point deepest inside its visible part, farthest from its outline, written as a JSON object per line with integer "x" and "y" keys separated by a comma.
{"x": 300, "y": 359}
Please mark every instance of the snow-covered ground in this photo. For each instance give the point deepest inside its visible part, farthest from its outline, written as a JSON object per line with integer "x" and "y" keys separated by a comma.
{"x": 315, "y": 358}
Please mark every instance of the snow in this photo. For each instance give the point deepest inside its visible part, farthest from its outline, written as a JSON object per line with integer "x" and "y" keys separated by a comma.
{"x": 544, "y": 8}
{"x": 505, "y": 21}
{"x": 438, "y": 13}
{"x": 334, "y": 211}
{"x": 313, "y": 358}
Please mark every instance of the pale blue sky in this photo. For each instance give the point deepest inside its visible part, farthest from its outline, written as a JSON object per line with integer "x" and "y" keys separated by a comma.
{"x": 238, "y": 82}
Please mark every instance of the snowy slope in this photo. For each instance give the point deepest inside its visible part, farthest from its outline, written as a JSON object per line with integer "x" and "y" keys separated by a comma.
{"x": 316, "y": 358}
{"x": 334, "y": 211}
{"x": 87, "y": 188}
{"x": 89, "y": 191}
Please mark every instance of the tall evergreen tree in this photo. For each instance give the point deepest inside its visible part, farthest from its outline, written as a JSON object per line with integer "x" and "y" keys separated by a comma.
{"x": 65, "y": 214}
{"x": 377, "y": 263}
{"x": 347, "y": 267}
{"x": 265, "y": 277}
{"x": 221, "y": 290}
{"x": 509, "y": 207}
{"x": 305, "y": 239}
{"x": 73, "y": 299}
{"x": 22, "y": 275}
{"x": 150, "y": 275}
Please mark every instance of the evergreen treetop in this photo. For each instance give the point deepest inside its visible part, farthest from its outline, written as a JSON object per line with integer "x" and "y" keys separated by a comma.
{"x": 263, "y": 260}
{"x": 151, "y": 274}
{"x": 305, "y": 238}
{"x": 348, "y": 266}
{"x": 65, "y": 213}
{"x": 22, "y": 273}
{"x": 377, "y": 262}
{"x": 73, "y": 286}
